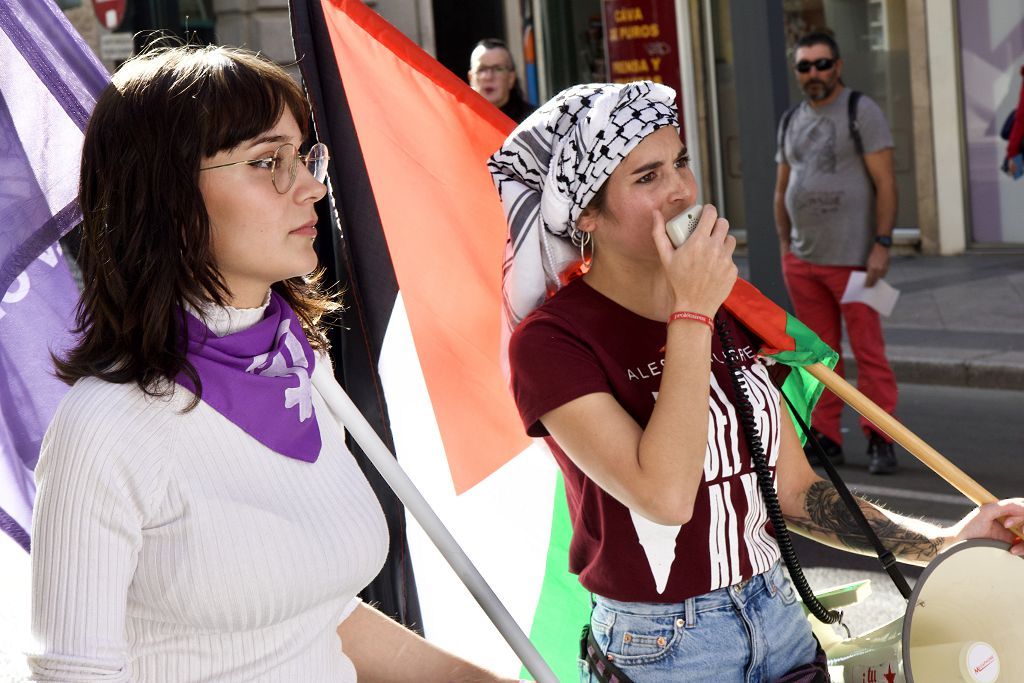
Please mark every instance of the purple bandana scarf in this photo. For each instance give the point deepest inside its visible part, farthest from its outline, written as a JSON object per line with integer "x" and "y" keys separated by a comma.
{"x": 259, "y": 378}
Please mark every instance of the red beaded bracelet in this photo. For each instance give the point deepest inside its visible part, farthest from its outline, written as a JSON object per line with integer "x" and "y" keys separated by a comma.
{"x": 689, "y": 315}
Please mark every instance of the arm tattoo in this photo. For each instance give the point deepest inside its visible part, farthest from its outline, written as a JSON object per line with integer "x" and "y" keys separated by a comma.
{"x": 826, "y": 518}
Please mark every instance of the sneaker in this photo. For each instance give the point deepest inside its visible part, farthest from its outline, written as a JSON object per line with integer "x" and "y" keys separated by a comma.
{"x": 833, "y": 450}
{"x": 883, "y": 457}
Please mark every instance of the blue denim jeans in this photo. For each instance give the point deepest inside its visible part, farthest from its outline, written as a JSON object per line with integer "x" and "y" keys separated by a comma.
{"x": 752, "y": 632}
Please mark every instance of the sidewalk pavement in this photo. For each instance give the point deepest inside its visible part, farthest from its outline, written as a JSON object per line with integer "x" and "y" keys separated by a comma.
{"x": 959, "y": 320}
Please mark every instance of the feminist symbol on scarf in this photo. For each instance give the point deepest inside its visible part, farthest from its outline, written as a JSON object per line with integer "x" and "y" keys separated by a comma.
{"x": 302, "y": 395}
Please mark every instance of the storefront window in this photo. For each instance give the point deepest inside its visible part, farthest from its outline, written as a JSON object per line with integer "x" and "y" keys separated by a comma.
{"x": 991, "y": 58}
{"x": 573, "y": 41}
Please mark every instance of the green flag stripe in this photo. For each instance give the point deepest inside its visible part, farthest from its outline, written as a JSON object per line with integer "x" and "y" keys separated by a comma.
{"x": 564, "y": 605}
{"x": 800, "y": 386}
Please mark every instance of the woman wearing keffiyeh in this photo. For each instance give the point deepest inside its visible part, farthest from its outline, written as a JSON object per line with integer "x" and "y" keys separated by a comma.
{"x": 198, "y": 516}
{"x": 619, "y": 355}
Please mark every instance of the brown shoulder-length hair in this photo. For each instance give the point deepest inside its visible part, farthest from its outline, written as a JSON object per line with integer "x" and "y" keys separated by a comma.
{"x": 145, "y": 248}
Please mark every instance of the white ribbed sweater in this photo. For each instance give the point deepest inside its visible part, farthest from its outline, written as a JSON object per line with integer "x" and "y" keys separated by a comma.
{"x": 175, "y": 547}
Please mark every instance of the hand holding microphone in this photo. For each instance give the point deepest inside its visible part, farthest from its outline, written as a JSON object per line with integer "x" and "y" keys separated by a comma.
{"x": 696, "y": 252}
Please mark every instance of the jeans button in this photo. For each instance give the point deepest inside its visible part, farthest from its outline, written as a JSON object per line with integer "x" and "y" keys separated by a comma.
{"x": 680, "y": 622}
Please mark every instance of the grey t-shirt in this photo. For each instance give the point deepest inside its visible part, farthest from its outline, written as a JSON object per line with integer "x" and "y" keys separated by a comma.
{"x": 830, "y": 198}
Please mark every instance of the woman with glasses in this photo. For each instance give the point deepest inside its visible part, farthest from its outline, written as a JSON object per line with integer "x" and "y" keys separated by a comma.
{"x": 198, "y": 516}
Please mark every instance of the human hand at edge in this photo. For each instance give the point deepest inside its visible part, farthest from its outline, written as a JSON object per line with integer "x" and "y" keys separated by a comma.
{"x": 877, "y": 265}
{"x": 992, "y": 520}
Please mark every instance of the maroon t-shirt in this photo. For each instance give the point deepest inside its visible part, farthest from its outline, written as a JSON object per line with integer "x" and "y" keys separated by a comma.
{"x": 580, "y": 342}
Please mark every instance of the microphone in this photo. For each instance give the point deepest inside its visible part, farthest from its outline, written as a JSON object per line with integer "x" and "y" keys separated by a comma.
{"x": 683, "y": 225}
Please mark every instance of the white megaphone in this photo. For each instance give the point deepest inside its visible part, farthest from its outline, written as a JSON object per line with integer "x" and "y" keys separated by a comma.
{"x": 963, "y": 625}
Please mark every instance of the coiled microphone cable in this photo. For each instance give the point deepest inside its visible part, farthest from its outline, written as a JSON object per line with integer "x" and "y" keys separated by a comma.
{"x": 745, "y": 410}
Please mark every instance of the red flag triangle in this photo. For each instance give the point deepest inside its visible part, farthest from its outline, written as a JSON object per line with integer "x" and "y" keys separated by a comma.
{"x": 425, "y": 137}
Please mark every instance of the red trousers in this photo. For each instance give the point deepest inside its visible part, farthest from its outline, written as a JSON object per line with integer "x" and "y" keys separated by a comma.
{"x": 816, "y": 291}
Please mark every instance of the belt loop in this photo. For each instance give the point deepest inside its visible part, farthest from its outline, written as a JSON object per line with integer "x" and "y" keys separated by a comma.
{"x": 690, "y": 612}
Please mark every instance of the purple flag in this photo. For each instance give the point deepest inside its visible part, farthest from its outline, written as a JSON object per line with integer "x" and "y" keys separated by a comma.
{"x": 48, "y": 85}
{"x": 49, "y": 82}
{"x": 35, "y": 314}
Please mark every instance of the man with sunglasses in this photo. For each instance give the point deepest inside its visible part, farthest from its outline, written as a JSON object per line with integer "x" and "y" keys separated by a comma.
{"x": 835, "y": 207}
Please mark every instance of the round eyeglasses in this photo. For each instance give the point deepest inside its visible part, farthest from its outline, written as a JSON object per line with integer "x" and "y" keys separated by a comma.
{"x": 496, "y": 70}
{"x": 283, "y": 165}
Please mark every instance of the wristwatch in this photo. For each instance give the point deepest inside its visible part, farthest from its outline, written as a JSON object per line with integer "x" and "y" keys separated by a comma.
{"x": 884, "y": 240}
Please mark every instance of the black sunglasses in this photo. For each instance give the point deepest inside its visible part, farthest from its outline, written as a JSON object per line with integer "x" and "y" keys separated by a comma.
{"x": 823, "y": 64}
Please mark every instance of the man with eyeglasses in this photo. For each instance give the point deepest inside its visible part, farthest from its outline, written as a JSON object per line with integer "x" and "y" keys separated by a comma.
{"x": 835, "y": 207}
{"x": 492, "y": 73}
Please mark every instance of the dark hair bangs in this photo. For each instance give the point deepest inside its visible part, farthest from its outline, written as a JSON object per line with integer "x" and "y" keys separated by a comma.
{"x": 240, "y": 101}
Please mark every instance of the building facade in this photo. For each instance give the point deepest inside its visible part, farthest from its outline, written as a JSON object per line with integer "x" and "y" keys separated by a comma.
{"x": 945, "y": 72}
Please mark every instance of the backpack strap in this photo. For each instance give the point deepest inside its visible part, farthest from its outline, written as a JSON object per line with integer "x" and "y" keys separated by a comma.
{"x": 851, "y": 111}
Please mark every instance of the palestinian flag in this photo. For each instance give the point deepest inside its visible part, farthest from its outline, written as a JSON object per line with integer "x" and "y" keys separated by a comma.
{"x": 785, "y": 340}
{"x": 419, "y": 252}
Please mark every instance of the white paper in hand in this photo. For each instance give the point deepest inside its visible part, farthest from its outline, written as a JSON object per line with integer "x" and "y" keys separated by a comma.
{"x": 882, "y": 297}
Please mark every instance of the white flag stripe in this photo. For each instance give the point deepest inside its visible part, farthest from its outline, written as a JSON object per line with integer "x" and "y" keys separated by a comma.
{"x": 503, "y": 523}
{"x": 33, "y": 108}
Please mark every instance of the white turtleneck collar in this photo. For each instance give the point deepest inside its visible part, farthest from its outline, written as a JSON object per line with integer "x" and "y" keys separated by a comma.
{"x": 225, "y": 320}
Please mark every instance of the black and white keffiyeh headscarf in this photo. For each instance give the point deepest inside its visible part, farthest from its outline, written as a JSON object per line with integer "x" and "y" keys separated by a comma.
{"x": 549, "y": 169}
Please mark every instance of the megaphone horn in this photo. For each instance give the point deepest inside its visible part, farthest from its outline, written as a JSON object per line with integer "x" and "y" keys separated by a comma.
{"x": 962, "y": 625}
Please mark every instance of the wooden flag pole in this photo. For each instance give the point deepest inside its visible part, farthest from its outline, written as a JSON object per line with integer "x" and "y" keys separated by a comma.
{"x": 904, "y": 437}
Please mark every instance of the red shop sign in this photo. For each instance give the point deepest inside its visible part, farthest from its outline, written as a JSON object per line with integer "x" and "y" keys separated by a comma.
{"x": 641, "y": 43}
{"x": 109, "y": 12}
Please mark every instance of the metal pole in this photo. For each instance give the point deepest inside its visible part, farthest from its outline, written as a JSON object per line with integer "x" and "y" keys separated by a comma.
{"x": 762, "y": 94}
{"x": 345, "y": 411}
{"x": 711, "y": 78}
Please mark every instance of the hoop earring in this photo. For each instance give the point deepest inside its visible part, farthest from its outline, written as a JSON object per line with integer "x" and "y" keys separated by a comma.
{"x": 582, "y": 239}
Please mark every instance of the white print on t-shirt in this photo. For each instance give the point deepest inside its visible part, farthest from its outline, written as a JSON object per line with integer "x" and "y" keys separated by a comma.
{"x": 762, "y": 550}
{"x": 653, "y": 369}
{"x": 659, "y": 544}
{"x": 723, "y": 542}
{"x": 721, "y": 463}
{"x": 746, "y": 353}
